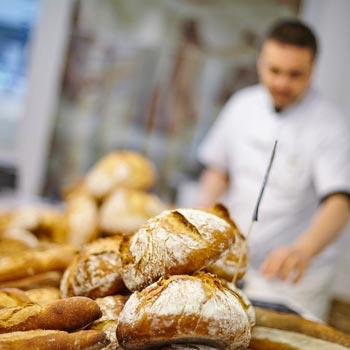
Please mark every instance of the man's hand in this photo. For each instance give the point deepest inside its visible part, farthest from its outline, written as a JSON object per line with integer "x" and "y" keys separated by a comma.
{"x": 286, "y": 263}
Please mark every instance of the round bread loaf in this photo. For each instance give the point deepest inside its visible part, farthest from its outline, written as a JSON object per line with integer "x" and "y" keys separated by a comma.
{"x": 124, "y": 211}
{"x": 184, "y": 309}
{"x": 179, "y": 241}
{"x": 94, "y": 272}
{"x": 125, "y": 169}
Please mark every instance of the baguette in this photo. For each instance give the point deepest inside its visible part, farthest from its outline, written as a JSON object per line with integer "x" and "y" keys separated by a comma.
{"x": 54, "y": 340}
{"x": 295, "y": 323}
{"x": 68, "y": 314}
{"x": 31, "y": 262}
{"x": 265, "y": 338}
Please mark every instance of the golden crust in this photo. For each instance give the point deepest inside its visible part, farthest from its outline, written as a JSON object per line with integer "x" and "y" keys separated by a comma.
{"x": 179, "y": 241}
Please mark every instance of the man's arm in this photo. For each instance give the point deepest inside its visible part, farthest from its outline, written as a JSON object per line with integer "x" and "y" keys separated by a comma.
{"x": 292, "y": 262}
{"x": 212, "y": 185}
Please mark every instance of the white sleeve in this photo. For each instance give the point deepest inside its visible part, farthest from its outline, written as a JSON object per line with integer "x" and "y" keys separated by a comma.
{"x": 331, "y": 163}
{"x": 213, "y": 150}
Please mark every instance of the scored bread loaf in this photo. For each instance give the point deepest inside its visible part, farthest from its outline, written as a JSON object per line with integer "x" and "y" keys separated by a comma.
{"x": 179, "y": 241}
{"x": 40, "y": 339}
{"x": 95, "y": 271}
{"x": 67, "y": 314}
{"x": 184, "y": 309}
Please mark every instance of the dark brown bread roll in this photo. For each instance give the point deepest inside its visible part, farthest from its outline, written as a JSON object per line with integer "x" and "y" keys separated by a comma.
{"x": 95, "y": 271}
{"x": 40, "y": 339}
{"x": 179, "y": 241}
{"x": 184, "y": 309}
{"x": 68, "y": 314}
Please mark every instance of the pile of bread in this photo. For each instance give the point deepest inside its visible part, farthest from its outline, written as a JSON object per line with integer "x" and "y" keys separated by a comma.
{"x": 114, "y": 268}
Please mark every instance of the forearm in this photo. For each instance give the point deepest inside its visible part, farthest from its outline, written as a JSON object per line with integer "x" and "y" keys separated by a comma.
{"x": 213, "y": 184}
{"x": 331, "y": 218}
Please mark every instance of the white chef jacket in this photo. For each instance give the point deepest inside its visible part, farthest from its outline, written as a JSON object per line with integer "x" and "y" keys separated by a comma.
{"x": 312, "y": 160}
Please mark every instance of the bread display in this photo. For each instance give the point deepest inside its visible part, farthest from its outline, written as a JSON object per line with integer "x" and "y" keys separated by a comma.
{"x": 40, "y": 339}
{"x": 119, "y": 169}
{"x": 115, "y": 269}
{"x": 95, "y": 271}
{"x": 124, "y": 211}
{"x": 184, "y": 309}
{"x": 179, "y": 241}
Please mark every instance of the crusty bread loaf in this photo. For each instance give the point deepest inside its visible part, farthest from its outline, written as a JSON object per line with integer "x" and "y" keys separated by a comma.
{"x": 40, "y": 339}
{"x": 179, "y": 241}
{"x": 30, "y": 262}
{"x": 126, "y": 169}
{"x": 265, "y": 338}
{"x": 95, "y": 271}
{"x": 290, "y": 322}
{"x": 184, "y": 309}
{"x": 126, "y": 210}
{"x": 10, "y": 297}
{"x": 68, "y": 314}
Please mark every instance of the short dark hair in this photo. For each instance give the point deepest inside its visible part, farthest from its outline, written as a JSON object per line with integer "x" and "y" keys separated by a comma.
{"x": 294, "y": 32}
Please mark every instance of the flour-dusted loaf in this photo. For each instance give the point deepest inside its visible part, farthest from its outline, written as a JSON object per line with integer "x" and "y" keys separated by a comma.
{"x": 67, "y": 314}
{"x": 95, "y": 270}
{"x": 125, "y": 210}
{"x": 184, "y": 309}
{"x": 119, "y": 169}
{"x": 179, "y": 241}
{"x": 40, "y": 339}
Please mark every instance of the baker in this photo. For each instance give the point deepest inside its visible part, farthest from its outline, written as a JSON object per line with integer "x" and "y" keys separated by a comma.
{"x": 306, "y": 201}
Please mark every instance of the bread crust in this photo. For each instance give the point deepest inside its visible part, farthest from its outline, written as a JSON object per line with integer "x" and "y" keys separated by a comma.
{"x": 179, "y": 241}
{"x": 184, "y": 309}
{"x": 95, "y": 270}
{"x": 68, "y": 314}
{"x": 40, "y": 339}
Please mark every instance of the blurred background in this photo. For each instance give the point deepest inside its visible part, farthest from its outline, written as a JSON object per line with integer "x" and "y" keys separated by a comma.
{"x": 79, "y": 78}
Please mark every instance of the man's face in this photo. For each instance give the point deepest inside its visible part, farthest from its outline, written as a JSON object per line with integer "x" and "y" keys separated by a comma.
{"x": 286, "y": 71}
